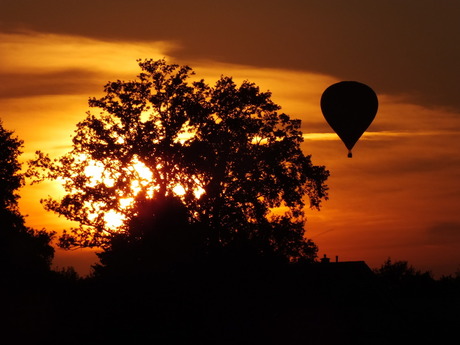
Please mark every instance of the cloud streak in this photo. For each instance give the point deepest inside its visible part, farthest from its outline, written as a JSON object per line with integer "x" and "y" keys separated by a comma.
{"x": 400, "y": 48}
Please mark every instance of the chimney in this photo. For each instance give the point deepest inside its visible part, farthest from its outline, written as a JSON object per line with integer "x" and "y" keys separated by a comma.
{"x": 325, "y": 259}
{"x": 336, "y": 258}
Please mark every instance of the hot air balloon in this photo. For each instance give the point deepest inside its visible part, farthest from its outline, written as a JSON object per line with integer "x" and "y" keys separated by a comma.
{"x": 349, "y": 107}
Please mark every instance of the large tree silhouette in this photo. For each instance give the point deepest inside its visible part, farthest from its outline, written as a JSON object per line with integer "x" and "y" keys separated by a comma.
{"x": 225, "y": 152}
{"x": 23, "y": 250}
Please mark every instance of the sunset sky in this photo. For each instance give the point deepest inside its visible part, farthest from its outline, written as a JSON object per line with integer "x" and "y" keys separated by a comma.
{"x": 398, "y": 197}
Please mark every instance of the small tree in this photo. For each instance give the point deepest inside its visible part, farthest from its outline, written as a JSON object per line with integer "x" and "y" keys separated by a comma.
{"x": 224, "y": 152}
{"x": 22, "y": 249}
{"x": 400, "y": 273}
{"x": 10, "y": 178}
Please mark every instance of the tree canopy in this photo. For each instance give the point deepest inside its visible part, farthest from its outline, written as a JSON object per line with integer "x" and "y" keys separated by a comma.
{"x": 10, "y": 177}
{"x": 22, "y": 250}
{"x": 224, "y": 152}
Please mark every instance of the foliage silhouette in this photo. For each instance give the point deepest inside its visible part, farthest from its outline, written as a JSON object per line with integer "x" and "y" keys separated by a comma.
{"x": 23, "y": 250}
{"x": 289, "y": 303}
{"x": 401, "y": 273}
{"x": 235, "y": 157}
{"x": 161, "y": 229}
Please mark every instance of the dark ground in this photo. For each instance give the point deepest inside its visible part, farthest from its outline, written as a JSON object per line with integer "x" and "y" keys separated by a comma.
{"x": 231, "y": 304}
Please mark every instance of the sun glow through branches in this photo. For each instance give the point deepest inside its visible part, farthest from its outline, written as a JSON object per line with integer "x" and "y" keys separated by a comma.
{"x": 142, "y": 180}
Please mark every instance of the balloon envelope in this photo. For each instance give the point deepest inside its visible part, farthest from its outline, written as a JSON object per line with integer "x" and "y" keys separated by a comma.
{"x": 349, "y": 107}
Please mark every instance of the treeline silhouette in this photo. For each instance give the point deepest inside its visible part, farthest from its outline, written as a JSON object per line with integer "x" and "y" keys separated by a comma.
{"x": 229, "y": 299}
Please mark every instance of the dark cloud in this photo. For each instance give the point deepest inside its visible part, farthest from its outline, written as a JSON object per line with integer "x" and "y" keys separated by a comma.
{"x": 429, "y": 159}
{"x": 66, "y": 82}
{"x": 398, "y": 47}
{"x": 444, "y": 232}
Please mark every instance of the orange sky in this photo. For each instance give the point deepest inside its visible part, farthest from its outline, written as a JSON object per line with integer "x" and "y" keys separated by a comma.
{"x": 398, "y": 197}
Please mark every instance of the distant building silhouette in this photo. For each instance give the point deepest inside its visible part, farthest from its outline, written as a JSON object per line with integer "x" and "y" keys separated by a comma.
{"x": 325, "y": 259}
{"x": 340, "y": 271}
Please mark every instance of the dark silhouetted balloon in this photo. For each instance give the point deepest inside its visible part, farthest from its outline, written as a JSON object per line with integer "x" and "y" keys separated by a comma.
{"x": 349, "y": 107}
